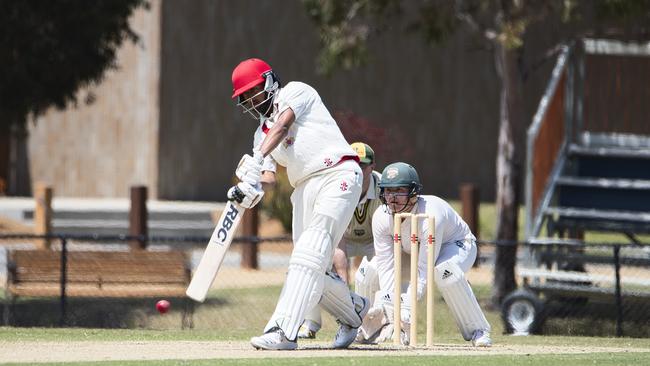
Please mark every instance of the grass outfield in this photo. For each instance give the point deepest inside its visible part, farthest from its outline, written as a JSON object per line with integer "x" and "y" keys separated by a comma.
{"x": 600, "y": 359}
{"x": 8, "y": 334}
{"x": 240, "y": 313}
{"x": 578, "y": 350}
{"x": 541, "y": 360}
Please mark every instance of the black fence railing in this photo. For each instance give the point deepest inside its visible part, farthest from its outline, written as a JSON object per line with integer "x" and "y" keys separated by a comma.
{"x": 565, "y": 286}
{"x": 102, "y": 272}
{"x": 569, "y": 279}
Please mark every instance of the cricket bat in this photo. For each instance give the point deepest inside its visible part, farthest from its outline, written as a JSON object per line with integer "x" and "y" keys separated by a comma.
{"x": 215, "y": 252}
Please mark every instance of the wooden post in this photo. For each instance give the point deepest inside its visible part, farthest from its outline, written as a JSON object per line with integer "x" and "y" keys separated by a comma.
{"x": 43, "y": 214}
{"x": 250, "y": 223}
{"x": 138, "y": 217}
{"x": 469, "y": 197}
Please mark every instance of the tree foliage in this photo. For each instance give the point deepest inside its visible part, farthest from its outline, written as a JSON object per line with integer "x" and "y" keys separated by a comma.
{"x": 52, "y": 48}
{"x": 347, "y": 26}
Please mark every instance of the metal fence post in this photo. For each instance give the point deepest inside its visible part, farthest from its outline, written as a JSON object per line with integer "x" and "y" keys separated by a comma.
{"x": 64, "y": 279}
{"x": 619, "y": 299}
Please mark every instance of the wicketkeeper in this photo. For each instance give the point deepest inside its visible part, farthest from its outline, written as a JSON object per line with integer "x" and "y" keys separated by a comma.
{"x": 455, "y": 252}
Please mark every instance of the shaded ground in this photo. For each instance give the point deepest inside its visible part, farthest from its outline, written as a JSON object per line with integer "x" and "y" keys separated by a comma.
{"x": 186, "y": 350}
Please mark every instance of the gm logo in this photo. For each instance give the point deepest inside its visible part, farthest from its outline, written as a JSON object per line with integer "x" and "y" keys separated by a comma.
{"x": 227, "y": 223}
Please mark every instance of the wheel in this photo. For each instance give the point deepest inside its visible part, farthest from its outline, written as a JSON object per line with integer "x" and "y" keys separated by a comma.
{"x": 521, "y": 312}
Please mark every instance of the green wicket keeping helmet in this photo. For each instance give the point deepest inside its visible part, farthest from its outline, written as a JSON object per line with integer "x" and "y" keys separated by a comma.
{"x": 398, "y": 175}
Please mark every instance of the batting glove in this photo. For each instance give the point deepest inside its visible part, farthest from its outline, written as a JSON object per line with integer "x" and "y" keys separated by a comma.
{"x": 249, "y": 169}
{"x": 245, "y": 194}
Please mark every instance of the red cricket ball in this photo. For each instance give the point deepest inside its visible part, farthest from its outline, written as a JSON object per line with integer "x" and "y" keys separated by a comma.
{"x": 163, "y": 306}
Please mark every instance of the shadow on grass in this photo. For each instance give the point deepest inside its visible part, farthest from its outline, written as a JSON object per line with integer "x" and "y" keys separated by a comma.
{"x": 100, "y": 312}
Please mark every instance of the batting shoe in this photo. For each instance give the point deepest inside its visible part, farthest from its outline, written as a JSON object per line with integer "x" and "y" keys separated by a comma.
{"x": 481, "y": 338}
{"x": 274, "y": 339}
{"x": 347, "y": 334}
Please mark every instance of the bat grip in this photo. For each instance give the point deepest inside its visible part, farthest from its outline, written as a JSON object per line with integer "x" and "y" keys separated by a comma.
{"x": 235, "y": 194}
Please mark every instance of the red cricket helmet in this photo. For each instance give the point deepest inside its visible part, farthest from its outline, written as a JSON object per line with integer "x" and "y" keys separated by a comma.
{"x": 248, "y": 74}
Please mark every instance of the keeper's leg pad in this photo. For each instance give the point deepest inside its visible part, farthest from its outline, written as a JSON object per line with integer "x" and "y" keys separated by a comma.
{"x": 304, "y": 284}
{"x": 340, "y": 302}
{"x": 461, "y": 300}
{"x": 366, "y": 279}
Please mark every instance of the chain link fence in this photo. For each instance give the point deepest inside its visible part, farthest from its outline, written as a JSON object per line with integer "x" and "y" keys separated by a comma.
{"x": 565, "y": 287}
{"x": 569, "y": 287}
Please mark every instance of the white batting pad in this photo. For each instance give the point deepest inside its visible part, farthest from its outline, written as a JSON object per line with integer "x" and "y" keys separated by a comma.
{"x": 461, "y": 300}
{"x": 366, "y": 279}
{"x": 304, "y": 284}
{"x": 339, "y": 301}
{"x": 313, "y": 315}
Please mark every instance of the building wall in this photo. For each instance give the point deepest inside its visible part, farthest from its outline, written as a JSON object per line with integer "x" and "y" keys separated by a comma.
{"x": 166, "y": 119}
{"x": 442, "y": 100}
{"x": 99, "y": 150}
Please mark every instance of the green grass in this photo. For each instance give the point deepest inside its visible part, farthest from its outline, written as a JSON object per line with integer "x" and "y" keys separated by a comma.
{"x": 8, "y": 334}
{"x": 237, "y": 314}
{"x": 600, "y": 359}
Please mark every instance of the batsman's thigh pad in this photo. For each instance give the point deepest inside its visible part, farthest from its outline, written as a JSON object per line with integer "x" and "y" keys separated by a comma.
{"x": 338, "y": 301}
{"x": 303, "y": 287}
{"x": 460, "y": 298}
{"x": 366, "y": 279}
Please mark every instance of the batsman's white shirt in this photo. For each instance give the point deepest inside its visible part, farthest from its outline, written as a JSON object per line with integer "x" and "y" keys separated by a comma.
{"x": 454, "y": 240}
{"x": 314, "y": 141}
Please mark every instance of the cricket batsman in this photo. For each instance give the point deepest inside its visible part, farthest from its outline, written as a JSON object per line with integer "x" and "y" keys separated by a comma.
{"x": 297, "y": 131}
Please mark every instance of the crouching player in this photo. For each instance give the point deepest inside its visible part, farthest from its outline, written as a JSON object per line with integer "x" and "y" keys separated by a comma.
{"x": 456, "y": 251}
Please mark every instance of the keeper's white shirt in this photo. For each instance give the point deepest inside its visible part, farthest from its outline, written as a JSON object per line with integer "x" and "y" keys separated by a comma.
{"x": 314, "y": 141}
{"x": 451, "y": 232}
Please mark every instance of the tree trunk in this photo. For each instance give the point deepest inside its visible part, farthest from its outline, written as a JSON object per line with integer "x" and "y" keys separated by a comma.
{"x": 19, "y": 180}
{"x": 4, "y": 158}
{"x": 508, "y": 171}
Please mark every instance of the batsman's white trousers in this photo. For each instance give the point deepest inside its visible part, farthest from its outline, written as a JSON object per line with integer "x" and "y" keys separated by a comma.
{"x": 323, "y": 205}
